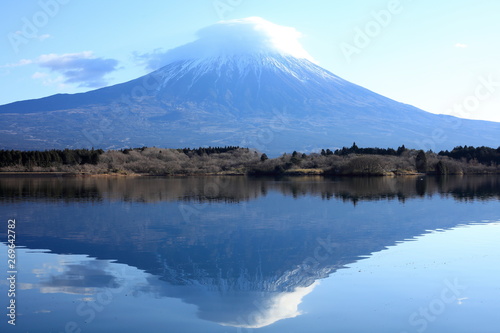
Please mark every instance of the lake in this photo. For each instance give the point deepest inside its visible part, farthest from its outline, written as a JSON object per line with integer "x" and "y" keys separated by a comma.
{"x": 241, "y": 254}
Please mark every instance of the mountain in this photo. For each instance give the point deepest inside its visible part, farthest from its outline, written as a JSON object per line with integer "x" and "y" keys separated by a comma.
{"x": 241, "y": 88}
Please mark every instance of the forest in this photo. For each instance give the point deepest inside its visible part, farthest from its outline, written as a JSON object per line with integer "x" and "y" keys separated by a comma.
{"x": 348, "y": 161}
{"x": 48, "y": 158}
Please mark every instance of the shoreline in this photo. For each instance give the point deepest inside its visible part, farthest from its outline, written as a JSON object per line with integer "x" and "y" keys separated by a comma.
{"x": 288, "y": 173}
{"x": 232, "y": 161}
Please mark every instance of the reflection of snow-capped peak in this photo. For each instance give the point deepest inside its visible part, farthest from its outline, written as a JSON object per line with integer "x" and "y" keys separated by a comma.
{"x": 243, "y": 281}
{"x": 242, "y": 300}
{"x": 278, "y": 307}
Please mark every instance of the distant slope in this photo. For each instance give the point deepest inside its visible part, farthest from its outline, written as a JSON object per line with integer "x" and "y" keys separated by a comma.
{"x": 271, "y": 102}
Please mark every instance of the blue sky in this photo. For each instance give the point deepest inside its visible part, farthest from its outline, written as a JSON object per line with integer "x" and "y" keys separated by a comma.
{"x": 441, "y": 56}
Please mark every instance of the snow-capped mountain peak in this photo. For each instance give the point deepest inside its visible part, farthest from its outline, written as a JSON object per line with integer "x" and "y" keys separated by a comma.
{"x": 243, "y": 82}
{"x": 238, "y": 37}
{"x": 244, "y": 65}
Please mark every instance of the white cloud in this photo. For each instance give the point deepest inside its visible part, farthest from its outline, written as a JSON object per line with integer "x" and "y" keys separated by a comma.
{"x": 22, "y": 62}
{"x": 47, "y": 80}
{"x": 39, "y": 75}
{"x": 461, "y": 45}
{"x": 44, "y": 37}
{"x": 64, "y": 58}
{"x": 234, "y": 37}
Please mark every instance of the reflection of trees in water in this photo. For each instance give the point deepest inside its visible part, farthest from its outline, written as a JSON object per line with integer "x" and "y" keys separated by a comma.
{"x": 227, "y": 259}
{"x": 267, "y": 240}
{"x": 230, "y": 257}
{"x": 239, "y": 188}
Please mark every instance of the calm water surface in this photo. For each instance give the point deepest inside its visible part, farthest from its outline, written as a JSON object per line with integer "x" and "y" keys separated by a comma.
{"x": 237, "y": 254}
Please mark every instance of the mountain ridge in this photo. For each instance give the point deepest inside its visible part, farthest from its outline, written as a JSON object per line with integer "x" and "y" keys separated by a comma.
{"x": 263, "y": 97}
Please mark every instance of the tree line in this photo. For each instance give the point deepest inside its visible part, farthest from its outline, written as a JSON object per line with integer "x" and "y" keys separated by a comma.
{"x": 233, "y": 159}
{"x": 210, "y": 150}
{"x": 49, "y": 158}
{"x": 192, "y": 151}
{"x": 354, "y": 149}
{"x": 483, "y": 155}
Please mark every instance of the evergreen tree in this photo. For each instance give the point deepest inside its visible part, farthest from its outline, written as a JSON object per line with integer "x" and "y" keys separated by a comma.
{"x": 421, "y": 162}
{"x": 401, "y": 150}
{"x": 354, "y": 148}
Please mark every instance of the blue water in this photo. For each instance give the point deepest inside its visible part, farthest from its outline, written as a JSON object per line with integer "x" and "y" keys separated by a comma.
{"x": 239, "y": 254}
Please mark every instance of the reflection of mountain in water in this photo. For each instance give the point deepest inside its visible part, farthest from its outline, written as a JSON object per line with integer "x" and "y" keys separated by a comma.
{"x": 234, "y": 246}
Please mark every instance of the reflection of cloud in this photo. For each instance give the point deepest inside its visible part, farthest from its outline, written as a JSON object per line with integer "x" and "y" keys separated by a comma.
{"x": 26, "y": 286}
{"x": 81, "y": 278}
{"x": 280, "y": 306}
{"x": 87, "y": 299}
{"x": 67, "y": 290}
{"x": 47, "y": 268}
